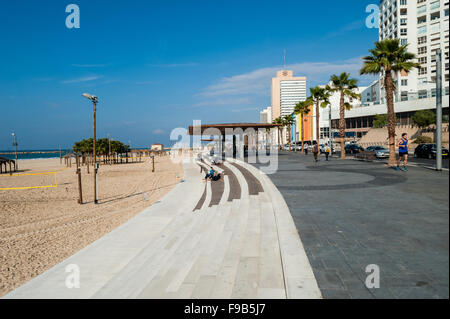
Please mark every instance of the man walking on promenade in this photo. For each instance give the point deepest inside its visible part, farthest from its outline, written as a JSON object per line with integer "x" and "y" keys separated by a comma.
{"x": 315, "y": 151}
{"x": 403, "y": 152}
{"x": 327, "y": 151}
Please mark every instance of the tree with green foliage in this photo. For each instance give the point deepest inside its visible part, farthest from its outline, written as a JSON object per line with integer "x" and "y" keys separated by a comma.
{"x": 347, "y": 88}
{"x": 320, "y": 97}
{"x": 381, "y": 120}
{"x": 422, "y": 139}
{"x": 86, "y": 146}
{"x": 424, "y": 118}
{"x": 288, "y": 121}
{"x": 386, "y": 58}
{"x": 280, "y": 123}
{"x": 303, "y": 108}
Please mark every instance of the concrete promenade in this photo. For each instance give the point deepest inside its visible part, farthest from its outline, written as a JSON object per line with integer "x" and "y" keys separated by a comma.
{"x": 351, "y": 214}
{"x": 233, "y": 238}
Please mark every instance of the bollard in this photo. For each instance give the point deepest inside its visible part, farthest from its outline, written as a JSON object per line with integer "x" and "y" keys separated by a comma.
{"x": 80, "y": 199}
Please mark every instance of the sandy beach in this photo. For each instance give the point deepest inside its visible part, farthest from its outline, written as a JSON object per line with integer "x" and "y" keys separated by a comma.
{"x": 40, "y": 227}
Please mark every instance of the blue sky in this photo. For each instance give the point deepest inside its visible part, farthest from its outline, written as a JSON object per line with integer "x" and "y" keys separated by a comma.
{"x": 157, "y": 65}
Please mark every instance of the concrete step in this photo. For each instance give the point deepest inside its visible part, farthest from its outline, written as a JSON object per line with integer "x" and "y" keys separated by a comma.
{"x": 171, "y": 275}
{"x": 144, "y": 266}
{"x": 241, "y": 180}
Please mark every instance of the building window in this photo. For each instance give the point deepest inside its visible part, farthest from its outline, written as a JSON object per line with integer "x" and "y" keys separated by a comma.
{"x": 422, "y": 30}
{"x": 404, "y": 96}
{"x": 404, "y": 41}
{"x": 422, "y": 94}
{"x": 403, "y": 2}
{"x": 421, "y": 9}
{"x": 405, "y": 82}
{"x": 422, "y": 50}
{"x": 403, "y": 31}
{"x": 422, "y": 71}
{"x": 422, "y": 40}
{"x": 423, "y": 60}
{"x": 435, "y": 5}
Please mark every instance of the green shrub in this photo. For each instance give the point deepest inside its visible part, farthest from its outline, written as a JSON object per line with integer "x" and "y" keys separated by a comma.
{"x": 423, "y": 140}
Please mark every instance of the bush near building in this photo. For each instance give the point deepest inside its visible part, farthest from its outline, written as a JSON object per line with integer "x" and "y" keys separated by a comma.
{"x": 423, "y": 140}
{"x": 424, "y": 118}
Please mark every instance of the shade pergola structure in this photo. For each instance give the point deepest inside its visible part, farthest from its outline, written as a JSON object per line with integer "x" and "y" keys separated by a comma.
{"x": 7, "y": 163}
{"x": 227, "y": 128}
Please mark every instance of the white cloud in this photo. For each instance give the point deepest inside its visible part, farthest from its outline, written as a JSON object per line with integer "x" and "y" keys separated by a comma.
{"x": 82, "y": 79}
{"x": 259, "y": 81}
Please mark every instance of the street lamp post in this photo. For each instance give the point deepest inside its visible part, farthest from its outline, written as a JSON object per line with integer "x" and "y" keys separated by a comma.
{"x": 16, "y": 166}
{"x": 94, "y": 100}
{"x": 438, "y": 110}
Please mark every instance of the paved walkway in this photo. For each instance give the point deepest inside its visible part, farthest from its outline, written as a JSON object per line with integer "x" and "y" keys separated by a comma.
{"x": 350, "y": 214}
{"x": 233, "y": 238}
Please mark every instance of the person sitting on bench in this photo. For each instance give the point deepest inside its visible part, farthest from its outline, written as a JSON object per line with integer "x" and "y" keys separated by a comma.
{"x": 211, "y": 174}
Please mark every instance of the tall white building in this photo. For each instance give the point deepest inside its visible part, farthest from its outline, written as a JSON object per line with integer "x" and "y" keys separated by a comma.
{"x": 265, "y": 116}
{"x": 424, "y": 26}
{"x": 287, "y": 91}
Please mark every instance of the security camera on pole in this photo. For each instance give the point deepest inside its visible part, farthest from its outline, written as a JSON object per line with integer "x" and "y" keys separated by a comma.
{"x": 94, "y": 100}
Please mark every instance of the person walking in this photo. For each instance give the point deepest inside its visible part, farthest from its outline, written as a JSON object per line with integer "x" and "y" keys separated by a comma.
{"x": 315, "y": 150}
{"x": 327, "y": 151}
{"x": 306, "y": 149}
{"x": 403, "y": 152}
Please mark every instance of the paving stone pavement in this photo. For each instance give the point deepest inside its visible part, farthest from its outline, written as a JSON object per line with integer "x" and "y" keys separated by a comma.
{"x": 350, "y": 214}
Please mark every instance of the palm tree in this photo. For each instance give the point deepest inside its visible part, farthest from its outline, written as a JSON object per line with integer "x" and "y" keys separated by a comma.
{"x": 280, "y": 123}
{"x": 288, "y": 122}
{"x": 319, "y": 97}
{"x": 389, "y": 56}
{"x": 303, "y": 109}
{"x": 346, "y": 87}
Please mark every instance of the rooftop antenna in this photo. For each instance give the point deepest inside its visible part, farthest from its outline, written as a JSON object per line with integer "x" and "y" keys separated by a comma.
{"x": 284, "y": 59}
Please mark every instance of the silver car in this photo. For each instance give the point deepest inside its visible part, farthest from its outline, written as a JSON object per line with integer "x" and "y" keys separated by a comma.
{"x": 380, "y": 151}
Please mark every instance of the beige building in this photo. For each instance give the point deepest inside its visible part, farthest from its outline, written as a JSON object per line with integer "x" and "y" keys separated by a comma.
{"x": 287, "y": 91}
{"x": 157, "y": 147}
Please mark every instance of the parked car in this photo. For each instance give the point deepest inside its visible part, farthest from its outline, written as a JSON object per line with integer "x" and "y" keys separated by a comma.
{"x": 380, "y": 151}
{"x": 353, "y": 148}
{"x": 428, "y": 151}
{"x": 322, "y": 148}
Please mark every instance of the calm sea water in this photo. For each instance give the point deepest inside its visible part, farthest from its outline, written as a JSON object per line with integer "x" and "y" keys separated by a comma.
{"x": 34, "y": 156}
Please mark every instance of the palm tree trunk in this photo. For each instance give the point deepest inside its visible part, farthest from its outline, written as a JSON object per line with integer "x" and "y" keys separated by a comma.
{"x": 317, "y": 124}
{"x": 303, "y": 136}
{"x": 391, "y": 117}
{"x": 279, "y": 139}
{"x": 289, "y": 135}
{"x": 342, "y": 125}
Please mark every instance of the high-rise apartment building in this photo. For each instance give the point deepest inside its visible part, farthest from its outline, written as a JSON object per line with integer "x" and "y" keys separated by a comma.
{"x": 265, "y": 116}
{"x": 287, "y": 91}
{"x": 424, "y": 26}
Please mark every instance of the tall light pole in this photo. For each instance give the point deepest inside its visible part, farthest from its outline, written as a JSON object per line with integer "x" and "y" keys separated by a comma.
{"x": 16, "y": 166}
{"x": 94, "y": 100}
{"x": 438, "y": 110}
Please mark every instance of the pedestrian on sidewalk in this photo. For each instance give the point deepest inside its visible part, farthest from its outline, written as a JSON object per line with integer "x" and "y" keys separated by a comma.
{"x": 315, "y": 151}
{"x": 327, "y": 151}
{"x": 306, "y": 149}
{"x": 403, "y": 152}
